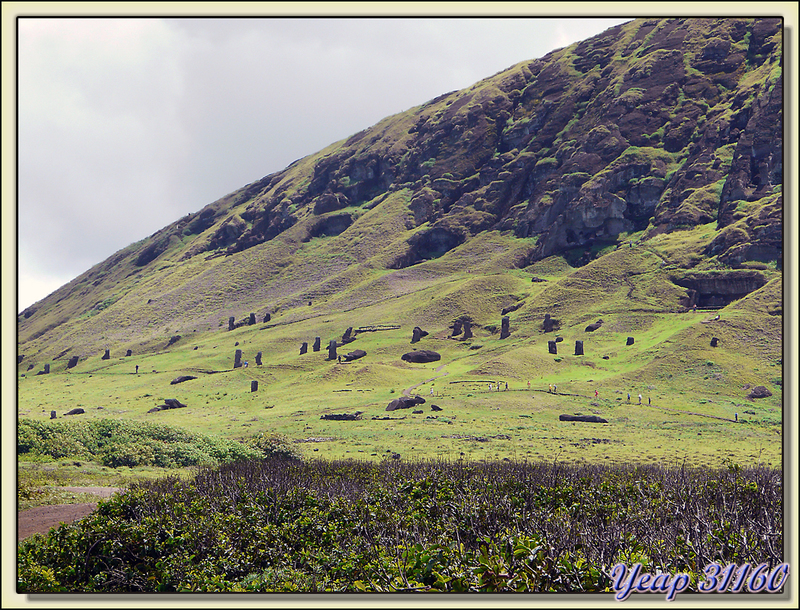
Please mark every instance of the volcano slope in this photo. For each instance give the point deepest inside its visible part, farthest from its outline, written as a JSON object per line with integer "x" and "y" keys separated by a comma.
{"x": 629, "y": 178}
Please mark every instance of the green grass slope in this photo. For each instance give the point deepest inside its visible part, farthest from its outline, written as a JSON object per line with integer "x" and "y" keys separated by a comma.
{"x": 691, "y": 391}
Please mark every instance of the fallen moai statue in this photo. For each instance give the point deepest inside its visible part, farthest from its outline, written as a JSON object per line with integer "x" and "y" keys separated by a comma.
{"x": 181, "y": 379}
{"x": 593, "y": 327}
{"x": 592, "y": 419}
{"x": 405, "y": 402}
{"x": 343, "y": 416}
{"x": 76, "y": 411}
{"x": 421, "y": 356}
{"x": 169, "y": 403}
{"x": 354, "y": 355}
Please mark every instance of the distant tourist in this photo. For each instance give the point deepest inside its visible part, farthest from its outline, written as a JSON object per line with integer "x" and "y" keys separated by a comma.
{"x": 137, "y": 369}
{"x": 640, "y": 399}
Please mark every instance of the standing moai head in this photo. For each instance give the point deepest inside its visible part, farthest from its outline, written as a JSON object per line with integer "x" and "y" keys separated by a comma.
{"x": 456, "y": 328}
{"x": 52, "y": 414}
{"x": 347, "y": 336}
{"x": 72, "y": 362}
{"x": 267, "y": 317}
{"x": 317, "y": 344}
{"x": 467, "y": 330}
{"x": 504, "y": 328}
{"x": 46, "y": 369}
{"x": 304, "y": 348}
{"x": 579, "y": 348}
{"x": 629, "y": 341}
{"x": 254, "y": 386}
{"x": 714, "y": 341}
{"x": 552, "y": 347}
{"x": 106, "y": 355}
{"x": 332, "y": 350}
{"x": 258, "y": 358}
{"x": 416, "y": 334}
{"x": 252, "y": 319}
{"x": 128, "y": 353}
{"x": 237, "y": 359}
{"x": 231, "y": 323}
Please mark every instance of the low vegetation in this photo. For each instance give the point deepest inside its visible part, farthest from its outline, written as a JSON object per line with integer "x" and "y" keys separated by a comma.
{"x": 312, "y": 526}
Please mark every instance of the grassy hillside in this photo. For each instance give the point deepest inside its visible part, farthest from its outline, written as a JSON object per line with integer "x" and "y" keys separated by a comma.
{"x": 695, "y": 390}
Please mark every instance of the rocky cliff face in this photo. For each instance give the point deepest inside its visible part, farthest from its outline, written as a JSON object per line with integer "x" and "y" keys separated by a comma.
{"x": 658, "y": 124}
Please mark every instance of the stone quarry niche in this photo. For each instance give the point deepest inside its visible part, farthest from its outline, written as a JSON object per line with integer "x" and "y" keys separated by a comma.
{"x": 718, "y": 288}
{"x": 428, "y": 245}
{"x": 329, "y": 226}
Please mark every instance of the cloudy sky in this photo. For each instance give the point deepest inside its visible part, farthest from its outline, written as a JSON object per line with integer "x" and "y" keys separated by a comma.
{"x": 127, "y": 124}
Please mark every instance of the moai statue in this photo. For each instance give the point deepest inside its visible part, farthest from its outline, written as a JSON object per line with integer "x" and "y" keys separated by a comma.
{"x": 629, "y": 341}
{"x": 548, "y": 323}
{"x": 304, "y": 348}
{"x": 106, "y": 355}
{"x": 347, "y": 336}
{"x": 456, "y": 328}
{"x": 267, "y": 317}
{"x": 317, "y": 344}
{"x": 552, "y": 347}
{"x": 72, "y": 362}
{"x": 504, "y": 331}
{"x": 254, "y": 386}
{"x": 714, "y": 341}
{"x": 252, "y": 319}
{"x": 52, "y": 414}
{"x": 416, "y": 334}
{"x": 129, "y": 353}
{"x": 467, "y": 330}
{"x": 46, "y": 369}
{"x": 258, "y": 358}
{"x": 231, "y": 323}
{"x": 332, "y": 350}
{"x": 237, "y": 359}
{"x": 579, "y": 348}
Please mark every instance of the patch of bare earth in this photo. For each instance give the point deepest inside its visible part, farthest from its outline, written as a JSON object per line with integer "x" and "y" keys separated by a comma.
{"x": 42, "y": 519}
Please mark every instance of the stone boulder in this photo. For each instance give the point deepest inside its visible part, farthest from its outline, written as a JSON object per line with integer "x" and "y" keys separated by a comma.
{"x": 405, "y": 402}
{"x": 421, "y": 356}
{"x": 77, "y": 411}
{"x": 759, "y": 392}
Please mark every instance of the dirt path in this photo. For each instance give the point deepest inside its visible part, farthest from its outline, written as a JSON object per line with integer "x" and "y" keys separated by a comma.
{"x": 407, "y": 391}
{"x": 42, "y": 519}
